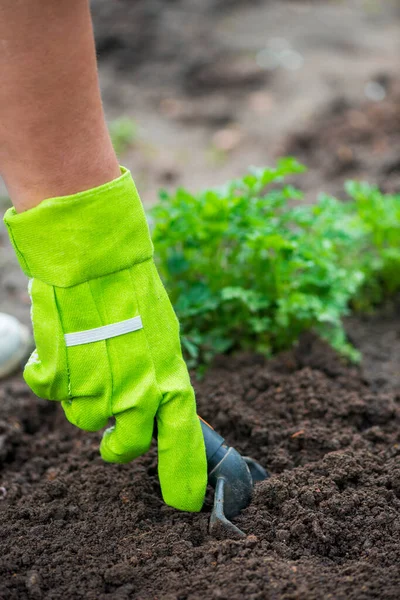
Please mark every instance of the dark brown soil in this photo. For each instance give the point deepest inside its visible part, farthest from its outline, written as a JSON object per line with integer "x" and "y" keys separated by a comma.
{"x": 169, "y": 40}
{"x": 352, "y": 141}
{"x": 326, "y": 524}
{"x": 189, "y": 73}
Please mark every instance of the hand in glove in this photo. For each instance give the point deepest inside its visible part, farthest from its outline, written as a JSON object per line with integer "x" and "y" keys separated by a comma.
{"x": 107, "y": 338}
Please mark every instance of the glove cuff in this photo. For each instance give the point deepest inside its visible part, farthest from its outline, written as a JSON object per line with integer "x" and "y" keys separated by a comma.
{"x": 71, "y": 239}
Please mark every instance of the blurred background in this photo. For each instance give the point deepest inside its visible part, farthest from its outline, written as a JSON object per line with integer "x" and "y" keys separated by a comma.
{"x": 195, "y": 91}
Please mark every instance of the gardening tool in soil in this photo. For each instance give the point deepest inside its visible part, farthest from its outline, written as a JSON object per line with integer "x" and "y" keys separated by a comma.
{"x": 232, "y": 476}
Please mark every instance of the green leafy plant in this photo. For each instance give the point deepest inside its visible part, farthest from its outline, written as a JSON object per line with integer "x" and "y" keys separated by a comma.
{"x": 249, "y": 266}
{"x": 123, "y": 132}
{"x": 380, "y": 217}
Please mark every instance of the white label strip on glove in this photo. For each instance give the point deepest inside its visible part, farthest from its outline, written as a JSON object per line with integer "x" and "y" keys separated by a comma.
{"x": 103, "y": 333}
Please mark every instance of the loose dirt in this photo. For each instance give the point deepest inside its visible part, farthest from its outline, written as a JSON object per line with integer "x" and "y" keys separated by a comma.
{"x": 326, "y": 524}
{"x": 197, "y": 77}
{"x": 351, "y": 141}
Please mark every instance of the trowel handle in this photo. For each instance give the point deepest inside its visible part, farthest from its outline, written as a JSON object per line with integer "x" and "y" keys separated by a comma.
{"x": 214, "y": 443}
{"x": 217, "y": 449}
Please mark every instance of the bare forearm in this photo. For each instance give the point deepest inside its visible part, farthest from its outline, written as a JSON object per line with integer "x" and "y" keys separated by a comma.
{"x": 53, "y": 137}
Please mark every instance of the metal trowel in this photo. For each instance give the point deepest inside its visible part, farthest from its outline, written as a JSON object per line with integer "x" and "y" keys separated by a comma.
{"x": 233, "y": 477}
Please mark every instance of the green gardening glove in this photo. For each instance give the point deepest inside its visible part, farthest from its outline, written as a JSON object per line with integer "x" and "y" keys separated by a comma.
{"x": 107, "y": 338}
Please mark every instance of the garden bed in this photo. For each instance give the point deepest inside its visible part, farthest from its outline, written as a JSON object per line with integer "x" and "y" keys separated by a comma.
{"x": 326, "y": 524}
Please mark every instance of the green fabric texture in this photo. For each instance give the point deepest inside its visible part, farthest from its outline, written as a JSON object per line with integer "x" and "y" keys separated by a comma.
{"x": 90, "y": 259}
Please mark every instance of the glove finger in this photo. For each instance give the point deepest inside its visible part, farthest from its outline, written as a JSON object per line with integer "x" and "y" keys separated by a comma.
{"x": 88, "y": 413}
{"x": 182, "y": 464}
{"x": 130, "y": 437}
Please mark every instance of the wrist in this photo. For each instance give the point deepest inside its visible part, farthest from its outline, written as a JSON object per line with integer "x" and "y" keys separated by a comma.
{"x": 30, "y": 183}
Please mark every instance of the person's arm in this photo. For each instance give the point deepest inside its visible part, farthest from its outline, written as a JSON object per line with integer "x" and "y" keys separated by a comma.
{"x": 53, "y": 136}
{"x": 106, "y": 335}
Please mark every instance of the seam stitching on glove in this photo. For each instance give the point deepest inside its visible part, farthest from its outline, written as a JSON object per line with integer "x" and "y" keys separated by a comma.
{"x": 69, "y": 384}
{"x": 145, "y": 337}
